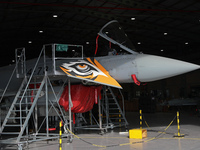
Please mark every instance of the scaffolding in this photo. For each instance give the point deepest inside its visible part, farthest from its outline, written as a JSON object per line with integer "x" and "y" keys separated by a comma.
{"x": 42, "y": 83}
{"x": 109, "y": 115}
{"x": 37, "y": 82}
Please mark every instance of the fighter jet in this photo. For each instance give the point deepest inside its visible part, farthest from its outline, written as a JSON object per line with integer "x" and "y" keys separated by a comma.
{"x": 132, "y": 66}
{"x": 123, "y": 64}
{"x": 128, "y": 66}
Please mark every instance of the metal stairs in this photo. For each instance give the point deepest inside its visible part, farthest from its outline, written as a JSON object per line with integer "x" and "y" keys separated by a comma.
{"x": 112, "y": 109}
{"x": 23, "y": 106}
{"x": 37, "y": 77}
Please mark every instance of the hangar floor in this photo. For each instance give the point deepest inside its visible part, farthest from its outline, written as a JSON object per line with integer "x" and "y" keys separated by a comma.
{"x": 156, "y": 138}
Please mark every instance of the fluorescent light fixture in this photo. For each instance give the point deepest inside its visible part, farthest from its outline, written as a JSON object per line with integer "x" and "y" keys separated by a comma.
{"x": 55, "y": 16}
{"x": 132, "y": 18}
{"x": 40, "y": 31}
{"x": 165, "y": 33}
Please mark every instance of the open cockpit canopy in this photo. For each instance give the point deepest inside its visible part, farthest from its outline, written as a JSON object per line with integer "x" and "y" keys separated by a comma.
{"x": 115, "y": 34}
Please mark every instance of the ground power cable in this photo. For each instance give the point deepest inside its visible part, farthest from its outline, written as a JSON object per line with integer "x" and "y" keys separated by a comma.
{"x": 115, "y": 145}
{"x": 158, "y": 130}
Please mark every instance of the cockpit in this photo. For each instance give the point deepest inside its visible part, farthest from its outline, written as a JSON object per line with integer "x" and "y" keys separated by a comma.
{"x": 119, "y": 42}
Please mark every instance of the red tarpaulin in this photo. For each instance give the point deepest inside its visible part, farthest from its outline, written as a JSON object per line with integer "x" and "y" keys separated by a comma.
{"x": 83, "y": 97}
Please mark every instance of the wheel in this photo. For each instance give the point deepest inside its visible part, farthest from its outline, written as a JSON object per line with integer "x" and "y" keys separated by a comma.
{"x": 20, "y": 146}
{"x": 102, "y": 132}
{"x": 70, "y": 139}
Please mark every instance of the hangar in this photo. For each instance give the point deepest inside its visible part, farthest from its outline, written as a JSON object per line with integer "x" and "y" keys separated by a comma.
{"x": 163, "y": 28}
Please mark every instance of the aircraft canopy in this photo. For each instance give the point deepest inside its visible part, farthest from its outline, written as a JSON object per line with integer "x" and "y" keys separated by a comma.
{"x": 114, "y": 33}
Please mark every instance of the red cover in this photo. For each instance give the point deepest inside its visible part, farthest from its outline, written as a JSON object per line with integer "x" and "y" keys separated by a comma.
{"x": 83, "y": 97}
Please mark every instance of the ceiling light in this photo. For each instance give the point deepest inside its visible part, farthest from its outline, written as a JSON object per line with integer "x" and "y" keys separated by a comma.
{"x": 55, "y": 16}
{"x": 165, "y": 33}
{"x": 40, "y": 31}
{"x": 73, "y": 50}
{"x": 87, "y": 42}
{"x": 186, "y": 43}
{"x": 139, "y": 43}
{"x": 161, "y": 50}
{"x": 29, "y": 42}
{"x": 132, "y": 18}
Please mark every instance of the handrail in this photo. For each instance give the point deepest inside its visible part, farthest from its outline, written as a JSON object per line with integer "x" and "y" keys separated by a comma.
{"x": 10, "y": 79}
{"x": 122, "y": 101}
{"x": 32, "y": 73}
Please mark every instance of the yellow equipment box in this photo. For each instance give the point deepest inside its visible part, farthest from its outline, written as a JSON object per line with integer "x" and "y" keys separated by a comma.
{"x": 137, "y": 133}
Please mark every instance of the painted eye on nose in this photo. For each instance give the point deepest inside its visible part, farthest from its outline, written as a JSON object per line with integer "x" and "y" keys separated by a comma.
{"x": 82, "y": 67}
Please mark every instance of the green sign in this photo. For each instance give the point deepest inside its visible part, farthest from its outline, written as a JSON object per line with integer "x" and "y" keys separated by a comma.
{"x": 62, "y": 47}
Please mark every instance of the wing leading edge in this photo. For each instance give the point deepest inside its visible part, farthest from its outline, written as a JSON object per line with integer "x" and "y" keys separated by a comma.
{"x": 89, "y": 70}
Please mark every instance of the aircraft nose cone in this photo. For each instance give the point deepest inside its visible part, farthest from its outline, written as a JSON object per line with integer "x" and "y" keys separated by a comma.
{"x": 151, "y": 68}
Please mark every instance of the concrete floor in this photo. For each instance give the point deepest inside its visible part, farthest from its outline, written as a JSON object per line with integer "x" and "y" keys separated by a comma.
{"x": 156, "y": 140}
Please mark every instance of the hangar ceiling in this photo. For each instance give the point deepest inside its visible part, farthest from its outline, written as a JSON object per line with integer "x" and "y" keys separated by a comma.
{"x": 168, "y": 28}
